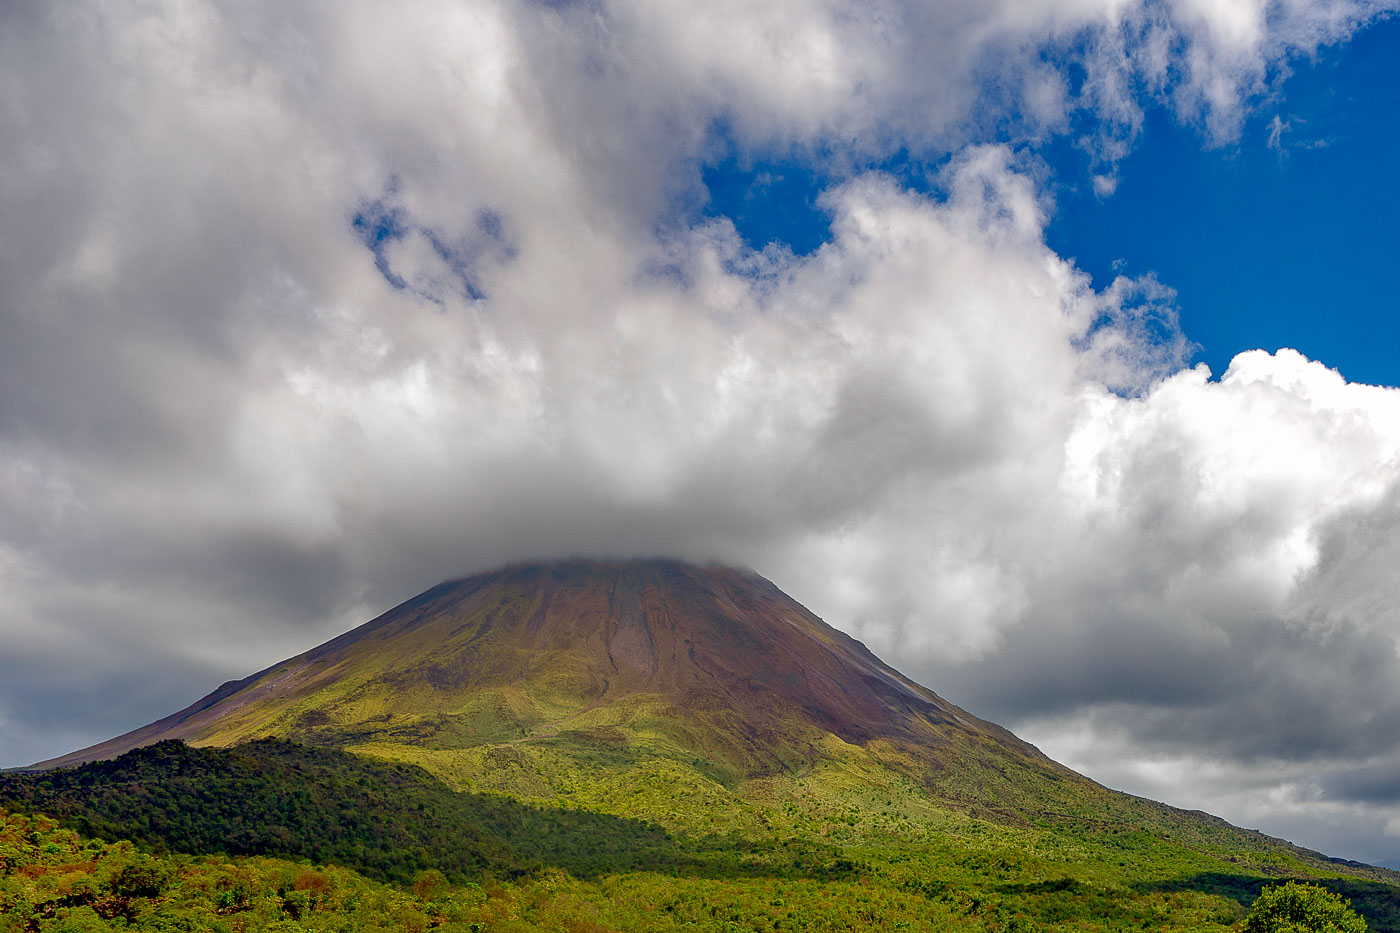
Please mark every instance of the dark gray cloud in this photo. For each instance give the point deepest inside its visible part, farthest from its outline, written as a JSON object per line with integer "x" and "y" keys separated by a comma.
{"x": 1263, "y": 691}
{"x": 1375, "y": 782}
{"x": 305, "y": 310}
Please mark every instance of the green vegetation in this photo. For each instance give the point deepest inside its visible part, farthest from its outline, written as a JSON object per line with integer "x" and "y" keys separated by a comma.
{"x": 1301, "y": 908}
{"x": 55, "y": 881}
{"x": 640, "y": 746}
{"x": 388, "y": 821}
{"x": 846, "y": 845}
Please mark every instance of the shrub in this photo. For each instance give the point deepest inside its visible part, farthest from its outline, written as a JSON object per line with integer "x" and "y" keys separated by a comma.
{"x": 1301, "y": 908}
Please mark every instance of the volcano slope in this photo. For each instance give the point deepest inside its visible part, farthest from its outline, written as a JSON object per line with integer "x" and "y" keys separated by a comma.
{"x": 706, "y": 701}
{"x": 531, "y": 678}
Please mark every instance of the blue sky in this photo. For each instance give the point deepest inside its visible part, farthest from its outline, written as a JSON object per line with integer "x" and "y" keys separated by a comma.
{"x": 1285, "y": 237}
{"x": 1268, "y": 243}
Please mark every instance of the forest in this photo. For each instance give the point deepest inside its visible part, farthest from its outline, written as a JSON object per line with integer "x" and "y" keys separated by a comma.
{"x": 274, "y": 835}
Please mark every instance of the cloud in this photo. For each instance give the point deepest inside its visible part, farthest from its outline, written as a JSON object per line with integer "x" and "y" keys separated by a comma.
{"x": 307, "y": 309}
{"x": 1213, "y": 596}
{"x": 1373, "y": 782}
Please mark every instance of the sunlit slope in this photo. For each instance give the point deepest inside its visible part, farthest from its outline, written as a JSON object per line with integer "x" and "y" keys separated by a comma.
{"x": 632, "y": 698}
{"x": 702, "y": 698}
{"x": 656, "y": 657}
{"x": 835, "y": 849}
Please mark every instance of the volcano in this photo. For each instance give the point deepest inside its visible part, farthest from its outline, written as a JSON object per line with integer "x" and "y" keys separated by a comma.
{"x": 654, "y": 718}
{"x": 710, "y": 665}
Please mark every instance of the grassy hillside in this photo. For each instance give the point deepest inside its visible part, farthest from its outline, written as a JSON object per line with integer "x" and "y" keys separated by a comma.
{"x": 652, "y": 745}
{"x": 834, "y": 849}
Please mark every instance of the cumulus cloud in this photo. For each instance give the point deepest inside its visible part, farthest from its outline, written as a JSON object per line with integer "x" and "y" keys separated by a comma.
{"x": 1217, "y": 595}
{"x": 308, "y": 309}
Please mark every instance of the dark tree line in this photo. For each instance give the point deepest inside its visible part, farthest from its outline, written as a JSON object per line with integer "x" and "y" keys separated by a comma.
{"x": 273, "y": 797}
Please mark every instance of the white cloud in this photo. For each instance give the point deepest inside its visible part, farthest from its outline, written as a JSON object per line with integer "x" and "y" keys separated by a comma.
{"x": 226, "y": 434}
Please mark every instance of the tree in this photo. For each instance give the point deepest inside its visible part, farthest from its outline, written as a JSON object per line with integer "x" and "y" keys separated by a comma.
{"x": 1302, "y": 908}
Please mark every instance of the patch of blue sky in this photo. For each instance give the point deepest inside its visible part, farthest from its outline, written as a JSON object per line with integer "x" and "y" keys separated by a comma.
{"x": 380, "y": 224}
{"x": 772, "y": 201}
{"x": 775, "y": 199}
{"x": 1287, "y": 237}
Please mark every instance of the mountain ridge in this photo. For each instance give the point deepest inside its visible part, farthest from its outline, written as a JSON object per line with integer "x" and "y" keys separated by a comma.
{"x": 810, "y": 666}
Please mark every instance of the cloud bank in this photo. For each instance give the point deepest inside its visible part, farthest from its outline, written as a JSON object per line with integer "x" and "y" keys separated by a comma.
{"x": 306, "y": 310}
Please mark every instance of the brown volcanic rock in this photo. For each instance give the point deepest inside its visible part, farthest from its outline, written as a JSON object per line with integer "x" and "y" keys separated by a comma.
{"x": 735, "y": 664}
